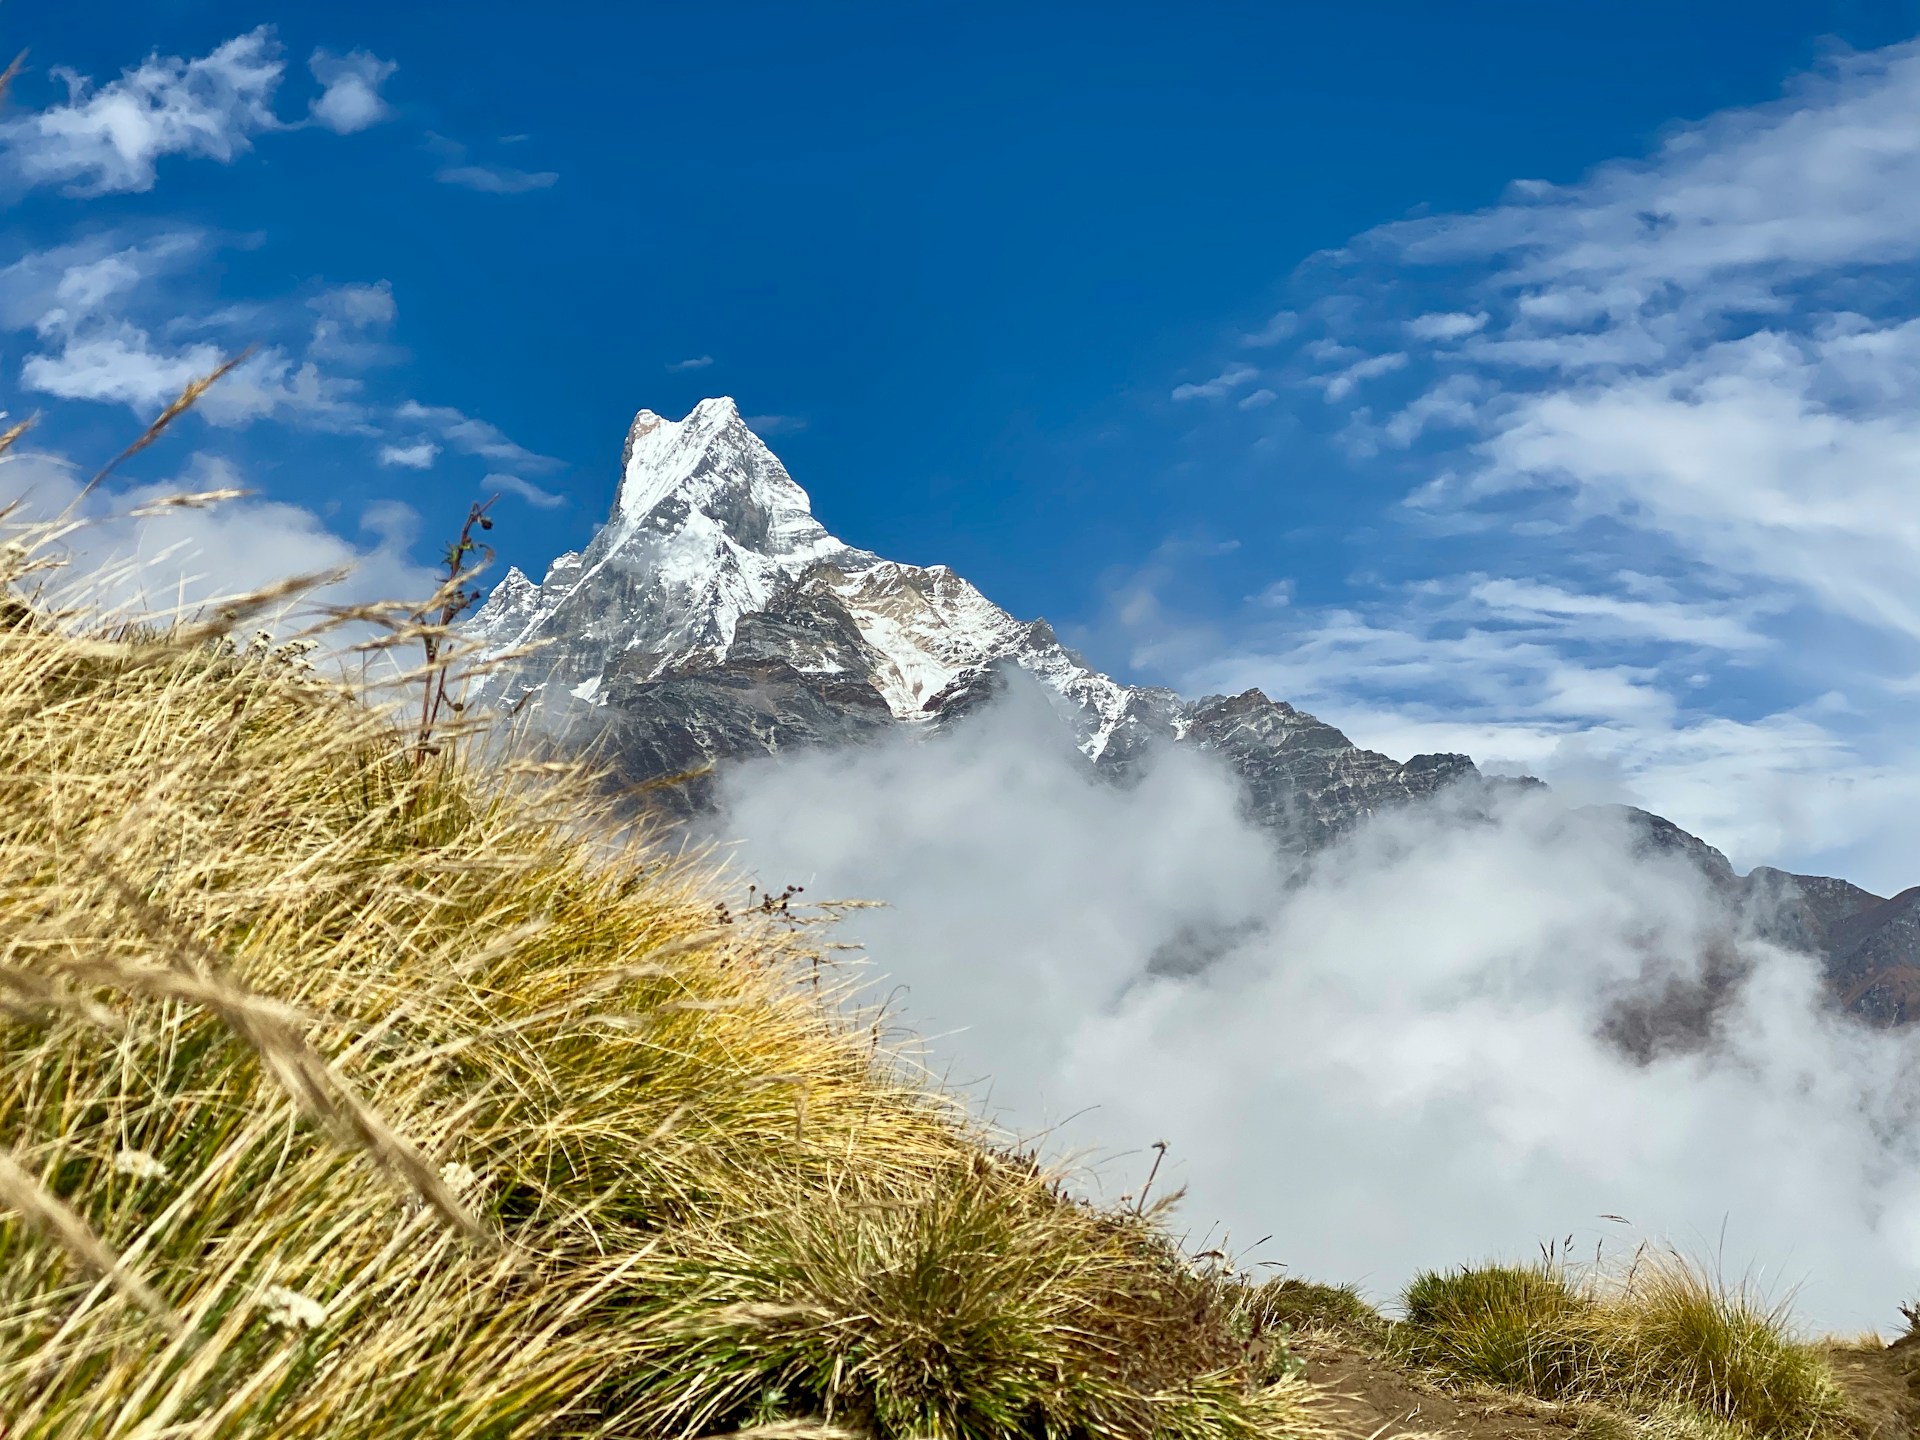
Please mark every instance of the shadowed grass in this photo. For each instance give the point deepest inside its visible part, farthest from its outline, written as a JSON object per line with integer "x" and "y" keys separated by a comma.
{"x": 391, "y": 1100}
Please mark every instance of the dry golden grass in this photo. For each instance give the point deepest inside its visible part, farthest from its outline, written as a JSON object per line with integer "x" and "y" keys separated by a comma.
{"x": 345, "y": 1094}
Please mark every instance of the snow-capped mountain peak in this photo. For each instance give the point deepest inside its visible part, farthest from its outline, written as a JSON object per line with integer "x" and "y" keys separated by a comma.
{"x": 713, "y": 464}
{"x": 706, "y": 526}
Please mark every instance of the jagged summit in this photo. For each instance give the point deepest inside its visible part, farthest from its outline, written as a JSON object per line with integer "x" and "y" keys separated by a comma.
{"x": 706, "y": 526}
{"x": 711, "y": 465}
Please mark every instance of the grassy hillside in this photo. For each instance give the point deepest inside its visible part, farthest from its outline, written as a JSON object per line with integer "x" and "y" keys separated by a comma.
{"x": 347, "y": 1096}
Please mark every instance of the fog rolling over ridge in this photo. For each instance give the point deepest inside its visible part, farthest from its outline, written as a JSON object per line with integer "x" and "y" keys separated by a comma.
{"x": 1394, "y": 1013}
{"x": 1403, "y": 1063}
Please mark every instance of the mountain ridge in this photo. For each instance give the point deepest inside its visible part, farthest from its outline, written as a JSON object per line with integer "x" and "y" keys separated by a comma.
{"x": 713, "y": 618}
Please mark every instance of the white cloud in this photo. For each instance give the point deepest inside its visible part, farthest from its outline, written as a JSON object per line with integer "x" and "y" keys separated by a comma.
{"x": 121, "y": 364}
{"x": 1227, "y": 381}
{"x": 1446, "y": 325}
{"x": 108, "y": 138}
{"x": 1278, "y": 328}
{"x": 472, "y": 437}
{"x": 1400, "y": 1064}
{"x": 121, "y": 367}
{"x": 80, "y": 300}
{"x": 1828, "y": 176}
{"x": 1339, "y": 386}
{"x": 352, "y": 321}
{"x": 525, "y": 490}
{"x": 57, "y": 290}
{"x": 1595, "y": 686}
{"x": 419, "y": 455}
{"x": 697, "y": 362}
{"x": 1669, "y": 622}
{"x": 351, "y": 98}
{"x": 1453, "y": 402}
{"x": 496, "y": 179}
{"x": 1763, "y": 456}
{"x": 359, "y": 306}
{"x": 776, "y": 424}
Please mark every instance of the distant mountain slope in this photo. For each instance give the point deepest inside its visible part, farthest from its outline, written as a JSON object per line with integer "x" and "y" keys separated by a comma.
{"x": 712, "y": 617}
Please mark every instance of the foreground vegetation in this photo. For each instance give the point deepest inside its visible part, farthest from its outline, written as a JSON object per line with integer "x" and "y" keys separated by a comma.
{"x": 345, "y": 1094}
{"x": 1664, "y": 1339}
{"x": 1661, "y": 1351}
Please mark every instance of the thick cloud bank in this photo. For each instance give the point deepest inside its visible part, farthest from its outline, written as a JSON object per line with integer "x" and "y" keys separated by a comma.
{"x": 1401, "y": 1063}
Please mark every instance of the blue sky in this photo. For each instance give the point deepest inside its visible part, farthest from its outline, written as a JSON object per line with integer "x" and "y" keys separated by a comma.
{"x": 1534, "y": 380}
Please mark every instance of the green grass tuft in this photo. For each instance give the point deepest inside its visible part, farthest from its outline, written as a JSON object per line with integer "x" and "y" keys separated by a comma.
{"x": 1519, "y": 1327}
{"x": 1677, "y": 1354}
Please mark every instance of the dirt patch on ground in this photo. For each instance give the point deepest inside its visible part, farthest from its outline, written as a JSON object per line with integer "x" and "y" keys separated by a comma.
{"x": 1369, "y": 1397}
{"x": 1366, "y": 1395}
{"x": 1884, "y": 1385}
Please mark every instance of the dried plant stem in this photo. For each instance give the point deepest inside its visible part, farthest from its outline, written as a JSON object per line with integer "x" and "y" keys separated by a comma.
{"x": 21, "y": 1191}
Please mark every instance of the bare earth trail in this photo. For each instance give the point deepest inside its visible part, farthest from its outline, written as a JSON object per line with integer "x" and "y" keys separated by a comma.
{"x": 1370, "y": 1398}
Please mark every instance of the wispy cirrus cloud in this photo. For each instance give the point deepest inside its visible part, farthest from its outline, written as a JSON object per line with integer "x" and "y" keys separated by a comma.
{"x": 1341, "y": 384}
{"x": 1278, "y": 327}
{"x": 457, "y": 168}
{"x": 470, "y": 436}
{"x": 1661, "y": 428}
{"x": 94, "y": 308}
{"x": 114, "y": 319}
{"x": 1225, "y": 383}
{"x": 125, "y": 366}
{"x": 524, "y": 490}
{"x": 776, "y": 424}
{"x": 352, "y": 323}
{"x": 129, "y": 313}
{"x": 496, "y": 179}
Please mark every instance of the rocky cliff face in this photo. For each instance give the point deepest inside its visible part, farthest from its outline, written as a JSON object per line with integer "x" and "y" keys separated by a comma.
{"x": 712, "y": 617}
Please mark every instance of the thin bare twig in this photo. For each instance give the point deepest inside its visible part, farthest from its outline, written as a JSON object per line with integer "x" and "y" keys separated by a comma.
{"x": 454, "y": 598}
{"x": 12, "y": 73}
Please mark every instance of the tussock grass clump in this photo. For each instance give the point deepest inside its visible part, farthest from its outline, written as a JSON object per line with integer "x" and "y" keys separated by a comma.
{"x": 347, "y": 1093}
{"x": 1679, "y": 1353}
{"x": 1722, "y": 1352}
{"x": 1309, "y": 1305}
{"x": 1521, "y": 1327}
